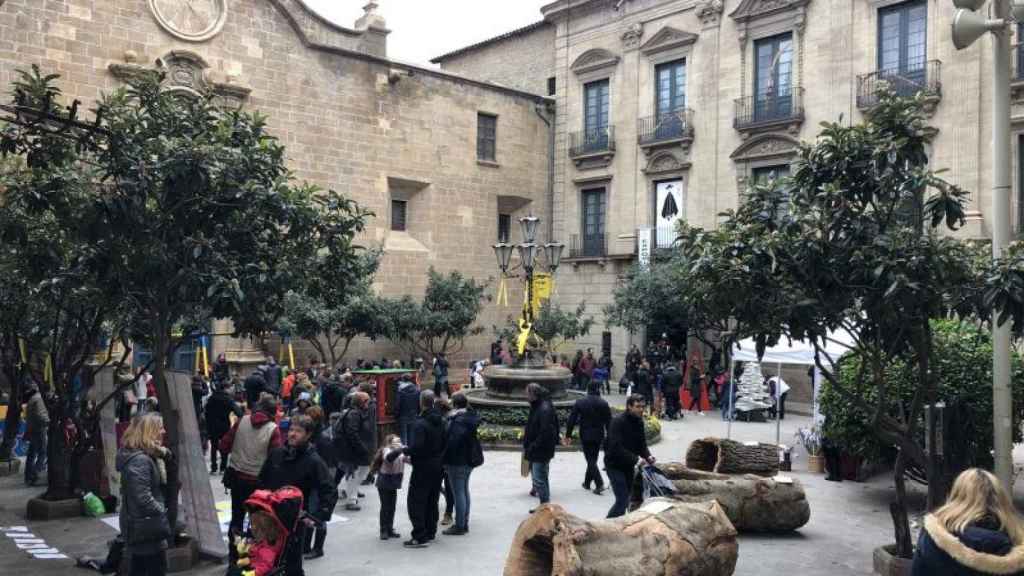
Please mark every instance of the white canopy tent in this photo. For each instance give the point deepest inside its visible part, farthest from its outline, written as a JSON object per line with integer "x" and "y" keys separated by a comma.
{"x": 791, "y": 352}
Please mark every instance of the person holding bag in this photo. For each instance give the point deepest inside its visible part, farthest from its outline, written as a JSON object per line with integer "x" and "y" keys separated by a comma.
{"x": 143, "y": 519}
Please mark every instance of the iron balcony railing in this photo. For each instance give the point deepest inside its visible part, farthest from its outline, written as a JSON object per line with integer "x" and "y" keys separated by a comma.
{"x": 924, "y": 77}
{"x": 665, "y": 236}
{"x": 588, "y": 246}
{"x": 675, "y": 125}
{"x": 767, "y": 108}
{"x": 592, "y": 141}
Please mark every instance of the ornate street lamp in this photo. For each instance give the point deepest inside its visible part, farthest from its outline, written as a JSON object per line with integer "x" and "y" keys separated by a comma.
{"x": 553, "y": 253}
{"x": 504, "y": 253}
{"x": 528, "y": 256}
{"x": 529, "y": 225}
{"x": 529, "y": 260}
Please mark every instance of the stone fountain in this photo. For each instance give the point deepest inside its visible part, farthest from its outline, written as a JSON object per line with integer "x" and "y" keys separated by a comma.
{"x": 503, "y": 404}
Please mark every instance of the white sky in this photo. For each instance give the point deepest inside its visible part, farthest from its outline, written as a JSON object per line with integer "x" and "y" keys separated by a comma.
{"x": 424, "y": 29}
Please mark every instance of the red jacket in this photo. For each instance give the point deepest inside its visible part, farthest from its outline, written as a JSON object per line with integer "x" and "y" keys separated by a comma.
{"x": 263, "y": 556}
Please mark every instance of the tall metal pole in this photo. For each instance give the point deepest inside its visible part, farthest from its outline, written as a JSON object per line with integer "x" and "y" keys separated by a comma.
{"x": 1001, "y": 396}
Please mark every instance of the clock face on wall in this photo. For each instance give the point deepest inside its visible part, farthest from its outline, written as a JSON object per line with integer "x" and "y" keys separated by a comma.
{"x": 192, "y": 20}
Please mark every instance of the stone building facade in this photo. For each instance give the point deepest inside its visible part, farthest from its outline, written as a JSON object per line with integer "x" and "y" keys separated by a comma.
{"x": 696, "y": 99}
{"x": 399, "y": 139}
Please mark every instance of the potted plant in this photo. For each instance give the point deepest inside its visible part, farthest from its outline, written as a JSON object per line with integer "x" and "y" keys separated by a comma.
{"x": 810, "y": 438}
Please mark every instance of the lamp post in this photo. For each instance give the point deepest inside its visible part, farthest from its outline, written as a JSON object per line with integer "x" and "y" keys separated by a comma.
{"x": 528, "y": 259}
{"x": 968, "y": 26}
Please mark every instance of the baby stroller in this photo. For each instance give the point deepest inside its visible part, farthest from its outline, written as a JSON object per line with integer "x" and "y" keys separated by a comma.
{"x": 285, "y": 507}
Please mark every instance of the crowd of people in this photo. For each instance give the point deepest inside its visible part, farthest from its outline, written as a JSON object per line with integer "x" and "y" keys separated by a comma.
{"x": 315, "y": 430}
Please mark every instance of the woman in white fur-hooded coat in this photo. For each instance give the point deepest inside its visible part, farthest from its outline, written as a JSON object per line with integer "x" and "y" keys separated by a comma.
{"x": 977, "y": 532}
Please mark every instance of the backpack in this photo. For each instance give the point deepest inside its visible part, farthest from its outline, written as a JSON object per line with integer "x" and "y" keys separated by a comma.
{"x": 476, "y": 453}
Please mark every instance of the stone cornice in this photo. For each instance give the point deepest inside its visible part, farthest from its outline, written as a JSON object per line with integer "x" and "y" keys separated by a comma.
{"x": 752, "y": 9}
{"x": 666, "y": 39}
{"x": 594, "y": 59}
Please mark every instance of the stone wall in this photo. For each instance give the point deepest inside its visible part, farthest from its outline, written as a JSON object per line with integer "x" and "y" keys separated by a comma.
{"x": 524, "y": 61}
{"x": 351, "y": 121}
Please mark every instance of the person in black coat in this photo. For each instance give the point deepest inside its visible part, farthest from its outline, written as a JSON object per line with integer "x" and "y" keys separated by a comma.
{"x": 425, "y": 452}
{"x": 255, "y": 385}
{"x": 298, "y": 464}
{"x": 353, "y": 448}
{"x": 540, "y": 439}
{"x": 408, "y": 407}
{"x": 593, "y": 415}
{"x": 976, "y": 532}
{"x": 462, "y": 453}
{"x": 625, "y": 448}
{"x": 332, "y": 395}
{"x": 643, "y": 383}
{"x": 671, "y": 383}
{"x": 219, "y": 408}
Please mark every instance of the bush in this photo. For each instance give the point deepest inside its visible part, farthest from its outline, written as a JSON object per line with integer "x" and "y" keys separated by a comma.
{"x": 962, "y": 361}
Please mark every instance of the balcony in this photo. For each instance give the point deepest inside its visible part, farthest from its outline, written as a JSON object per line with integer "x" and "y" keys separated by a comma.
{"x": 667, "y": 129}
{"x": 665, "y": 236}
{"x": 769, "y": 112}
{"x": 588, "y": 246}
{"x": 592, "y": 148}
{"x": 924, "y": 79}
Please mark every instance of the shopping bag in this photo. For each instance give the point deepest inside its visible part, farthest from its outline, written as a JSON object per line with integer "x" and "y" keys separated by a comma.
{"x": 93, "y": 505}
{"x": 656, "y": 483}
{"x": 524, "y": 467}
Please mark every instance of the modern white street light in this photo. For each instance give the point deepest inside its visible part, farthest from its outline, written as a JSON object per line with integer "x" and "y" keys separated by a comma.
{"x": 968, "y": 26}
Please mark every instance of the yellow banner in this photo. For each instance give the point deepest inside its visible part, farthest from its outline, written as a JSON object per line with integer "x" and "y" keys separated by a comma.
{"x": 541, "y": 290}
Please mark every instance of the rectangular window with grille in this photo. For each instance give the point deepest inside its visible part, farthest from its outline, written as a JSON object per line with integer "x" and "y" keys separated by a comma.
{"x": 398, "y": 215}
{"x": 765, "y": 175}
{"x": 504, "y": 227}
{"x": 773, "y": 77}
{"x": 486, "y": 137}
{"x": 593, "y": 222}
{"x": 902, "y": 46}
{"x": 552, "y": 84}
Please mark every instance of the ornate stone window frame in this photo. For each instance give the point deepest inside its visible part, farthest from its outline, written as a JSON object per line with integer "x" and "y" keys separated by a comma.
{"x": 667, "y": 45}
{"x": 759, "y": 151}
{"x": 187, "y": 73}
{"x": 756, "y": 19}
{"x": 594, "y": 64}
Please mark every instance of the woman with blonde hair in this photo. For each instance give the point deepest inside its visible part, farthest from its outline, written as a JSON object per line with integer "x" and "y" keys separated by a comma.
{"x": 976, "y": 532}
{"x": 143, "y": 519}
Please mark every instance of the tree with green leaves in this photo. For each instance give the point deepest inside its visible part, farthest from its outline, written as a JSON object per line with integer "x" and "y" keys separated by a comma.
{"x": 57, "y": 311}
{"x": 192, "y": 215}
{"x": 442, "y": 321}
{"x": 853, "y": 241}
{"x": 552, "y": 327}
{"x": 343, "y": 307}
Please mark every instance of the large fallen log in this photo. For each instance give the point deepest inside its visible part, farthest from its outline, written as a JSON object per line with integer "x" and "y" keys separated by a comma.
{"x": 662, "y": 538}
{"x": 732, "y": 457}
{"x": 752, "y": 503}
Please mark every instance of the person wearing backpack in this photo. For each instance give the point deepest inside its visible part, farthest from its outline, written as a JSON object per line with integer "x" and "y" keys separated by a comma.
{"x": 462, "y": 453}
{"x": 353, "y": 452}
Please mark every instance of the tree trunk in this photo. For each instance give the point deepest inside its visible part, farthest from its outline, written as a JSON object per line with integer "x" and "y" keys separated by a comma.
{"x": 664, "y": 538}
{"x": 13, "y": 419}
{"x": 898, "y": 510}
{"x": 58, "y": 475}
{"x": 752, "y": 503}
{"x": 732, "y": 457}
{"x": 170, "y": 416}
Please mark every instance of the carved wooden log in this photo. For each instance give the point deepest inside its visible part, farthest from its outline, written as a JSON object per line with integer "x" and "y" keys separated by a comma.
{"x": 732, "y": 457}
{"x": 662, "y": 538}
{"x": 752, "y": 503}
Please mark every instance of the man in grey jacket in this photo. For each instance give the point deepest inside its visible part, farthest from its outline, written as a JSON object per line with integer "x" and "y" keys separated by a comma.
{"x": 36, "y": 427}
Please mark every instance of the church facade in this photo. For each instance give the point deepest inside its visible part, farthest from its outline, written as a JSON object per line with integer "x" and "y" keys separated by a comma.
{"x": 401, "y": 140}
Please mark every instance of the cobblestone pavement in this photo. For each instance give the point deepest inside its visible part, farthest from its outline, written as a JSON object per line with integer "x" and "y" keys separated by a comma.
{"x": 847, "y": 520}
